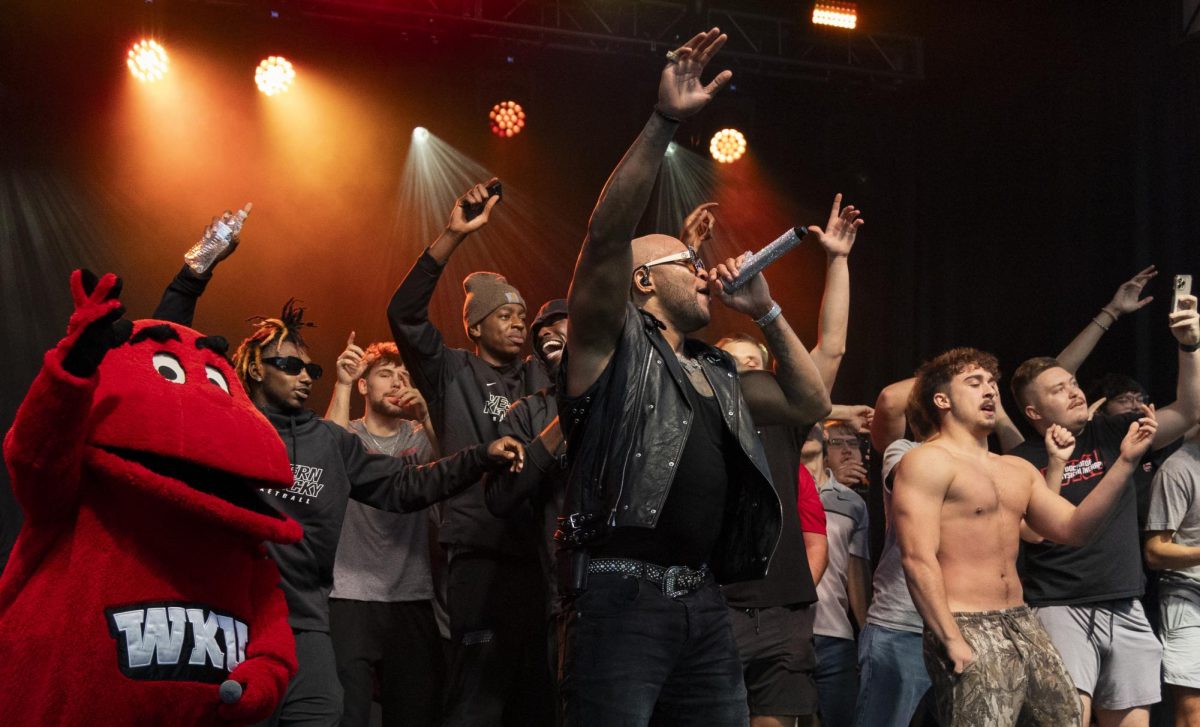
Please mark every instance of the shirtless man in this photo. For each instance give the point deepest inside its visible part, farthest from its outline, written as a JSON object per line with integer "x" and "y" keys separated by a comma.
{"x": 958, "y": 510}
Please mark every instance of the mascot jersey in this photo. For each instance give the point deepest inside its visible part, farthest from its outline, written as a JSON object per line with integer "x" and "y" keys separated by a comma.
{"x": 139, "y": 581}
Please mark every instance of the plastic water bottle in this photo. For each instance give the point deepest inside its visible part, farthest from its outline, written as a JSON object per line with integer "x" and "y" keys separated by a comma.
{"x": 216, "y": 240}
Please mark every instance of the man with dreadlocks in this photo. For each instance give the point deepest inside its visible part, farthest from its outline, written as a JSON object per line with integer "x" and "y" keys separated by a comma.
{"x": 330, "y": 465}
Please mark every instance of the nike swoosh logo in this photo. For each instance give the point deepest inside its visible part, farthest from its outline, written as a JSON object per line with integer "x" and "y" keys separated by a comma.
{"x": 491, "y": 384}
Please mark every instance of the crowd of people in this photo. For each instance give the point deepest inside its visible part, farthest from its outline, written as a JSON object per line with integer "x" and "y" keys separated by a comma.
{"x": 631, "y": 526}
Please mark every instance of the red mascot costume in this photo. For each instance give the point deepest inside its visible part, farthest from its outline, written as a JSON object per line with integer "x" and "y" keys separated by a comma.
{"x": 139, "y": 582}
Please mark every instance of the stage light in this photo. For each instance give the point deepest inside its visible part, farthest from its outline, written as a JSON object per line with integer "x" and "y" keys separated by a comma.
{"x": 147, "y": 61}
{"x": 727, "y": 145}
{"x": 836, "y": 14}
{"x": 420, "y": 134}
{"x": 506, "y": 119}
{"x": 671, "y": 147}
{"x": 274, "y": 75}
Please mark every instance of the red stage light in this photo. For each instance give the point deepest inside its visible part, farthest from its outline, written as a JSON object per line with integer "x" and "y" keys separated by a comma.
{"x": 836, "y": 14}
{"x": 147, "y": 61}
{"x": 506, "y": 119}
{"x": 727, "y": 145}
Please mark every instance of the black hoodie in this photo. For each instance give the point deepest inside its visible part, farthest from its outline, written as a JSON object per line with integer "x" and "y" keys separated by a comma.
{"x": 468, "y": 398}
{"x": 330, "y": 466}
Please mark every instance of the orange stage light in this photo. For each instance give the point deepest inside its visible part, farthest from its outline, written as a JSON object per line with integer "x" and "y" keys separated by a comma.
{"x": 838, "y": 15}
{"x": 727, "y": 145}
{"x": 274, "y": 75}
{"x": 506, "y": 119}
{"x": 147, "y": 61}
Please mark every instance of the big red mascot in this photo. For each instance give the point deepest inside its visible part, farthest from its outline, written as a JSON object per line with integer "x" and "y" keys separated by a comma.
{"x": 139, "y": 583}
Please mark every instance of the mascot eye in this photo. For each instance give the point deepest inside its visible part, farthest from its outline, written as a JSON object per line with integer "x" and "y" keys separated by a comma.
{"x": 215, "y": 376}
{"x": 169, "y": 368}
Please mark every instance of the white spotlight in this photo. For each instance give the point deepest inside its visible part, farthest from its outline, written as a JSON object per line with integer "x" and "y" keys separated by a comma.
{"x": 420, "y": 134}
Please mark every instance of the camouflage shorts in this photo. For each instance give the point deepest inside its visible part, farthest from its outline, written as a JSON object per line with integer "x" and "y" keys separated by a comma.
{"x": 1017, "y": 678}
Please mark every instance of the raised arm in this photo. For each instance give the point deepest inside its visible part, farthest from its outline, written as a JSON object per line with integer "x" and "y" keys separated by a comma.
{"x": 1060, "y": 521}
{"x": 888, "y": 422}
{"x": 178, "y": 302}
{"x": 1124, "y": 301}
{"x": 44, "y": 447}
{"x": 1176, "y": 420}
{"x": 350, "y": 366}
{"x": 836, "y": 239}
{"x": 923, "y": 478}
{"x": 600, "y": 285}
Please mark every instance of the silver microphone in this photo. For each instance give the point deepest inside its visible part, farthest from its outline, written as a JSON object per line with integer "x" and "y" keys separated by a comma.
{"x": 754, "y": 264}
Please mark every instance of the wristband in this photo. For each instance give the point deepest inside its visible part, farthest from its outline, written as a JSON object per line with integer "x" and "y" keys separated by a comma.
{"x": 1109, "y": 313}
{"x": 769, "y": 316}
{"x": 664, "y": 117}
{"x": 1101, "y": 325}
{"x": 1189, "y": 348}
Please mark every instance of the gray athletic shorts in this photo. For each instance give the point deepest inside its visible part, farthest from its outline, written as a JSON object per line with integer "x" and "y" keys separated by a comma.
{"x": 1109, "y": 651}
{"x": 1181, "y": 641}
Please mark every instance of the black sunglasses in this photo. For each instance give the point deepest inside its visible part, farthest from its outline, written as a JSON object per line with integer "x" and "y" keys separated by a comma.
{"x": 293, "y": 365}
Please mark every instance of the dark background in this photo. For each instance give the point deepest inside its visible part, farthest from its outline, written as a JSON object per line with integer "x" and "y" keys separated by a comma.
{"x": 1050, "y": 153}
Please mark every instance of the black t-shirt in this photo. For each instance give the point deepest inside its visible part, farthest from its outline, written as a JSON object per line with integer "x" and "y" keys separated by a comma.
{"x": 690, "y": 524}
{"x": 789, "y": 581}
{"x": 1110, "y": 565}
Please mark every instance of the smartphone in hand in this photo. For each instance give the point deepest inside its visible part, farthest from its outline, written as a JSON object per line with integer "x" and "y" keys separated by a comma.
{"x": 471, "y": 211}
{"x": 1182, "y": 286}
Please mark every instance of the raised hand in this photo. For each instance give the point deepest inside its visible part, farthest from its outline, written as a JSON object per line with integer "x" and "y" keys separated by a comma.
{"x": 458, "y": 223}
{"x": 350, "y": 363}
{"x": 753, "y": 298}
{"x": 1060, "y": 443}
{"x": 680, "y": 92}
{"x": 1125, "y": 300}
{"x": 96, "y": 327}
{"x": 838, "y": 236}
{"x": 698, "y": 226}
{"x": 1141, "y": 433}
{"x": 1185, "y": 322}
{"x": 507, "y": 449}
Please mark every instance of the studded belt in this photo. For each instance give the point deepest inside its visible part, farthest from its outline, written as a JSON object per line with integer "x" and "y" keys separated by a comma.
{"x": 674, "y": 581}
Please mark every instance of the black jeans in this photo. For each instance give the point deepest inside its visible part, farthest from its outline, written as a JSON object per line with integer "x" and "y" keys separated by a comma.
{"x": 314, "y": 696}
{"x": 397, "y": 643}
{"x": 632, "y": 656}
{"x": 498, "y": 671}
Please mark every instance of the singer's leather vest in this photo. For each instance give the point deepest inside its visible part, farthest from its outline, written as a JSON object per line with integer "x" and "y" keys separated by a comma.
{"x": 626, "y": 433}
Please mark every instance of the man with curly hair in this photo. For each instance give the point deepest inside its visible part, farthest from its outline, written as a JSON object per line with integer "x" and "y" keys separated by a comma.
{"x": 958, "y": 510}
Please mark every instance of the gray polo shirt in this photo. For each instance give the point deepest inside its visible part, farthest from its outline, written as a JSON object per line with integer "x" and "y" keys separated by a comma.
{"x": 1175, "y": 505}
{"x": 384, "y": 556}
{"x": 846, "y": 531}
{"x": 891, "y": 605}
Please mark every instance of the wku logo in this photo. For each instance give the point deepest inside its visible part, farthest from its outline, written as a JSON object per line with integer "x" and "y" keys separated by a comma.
{"x": 176, "y": 641}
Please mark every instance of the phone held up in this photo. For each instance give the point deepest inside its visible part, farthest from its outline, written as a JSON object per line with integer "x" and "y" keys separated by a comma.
{"x": 1182, "y": 287}
{"x": 473, "y": 210}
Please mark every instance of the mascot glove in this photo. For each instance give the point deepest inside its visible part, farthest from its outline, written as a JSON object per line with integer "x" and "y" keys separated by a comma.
{"x": 96, "y": 326}
{"x": 264, "y": 680}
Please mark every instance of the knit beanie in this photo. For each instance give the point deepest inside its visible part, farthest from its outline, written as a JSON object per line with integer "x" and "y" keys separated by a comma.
{"x": 485, "y": 293}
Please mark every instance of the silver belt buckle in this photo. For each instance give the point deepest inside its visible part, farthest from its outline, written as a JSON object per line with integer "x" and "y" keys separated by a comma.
{"x": 673, "y": 575}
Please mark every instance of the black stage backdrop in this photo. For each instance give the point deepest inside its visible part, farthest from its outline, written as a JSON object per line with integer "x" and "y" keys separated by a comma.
{"x": 1050, "y": 152}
